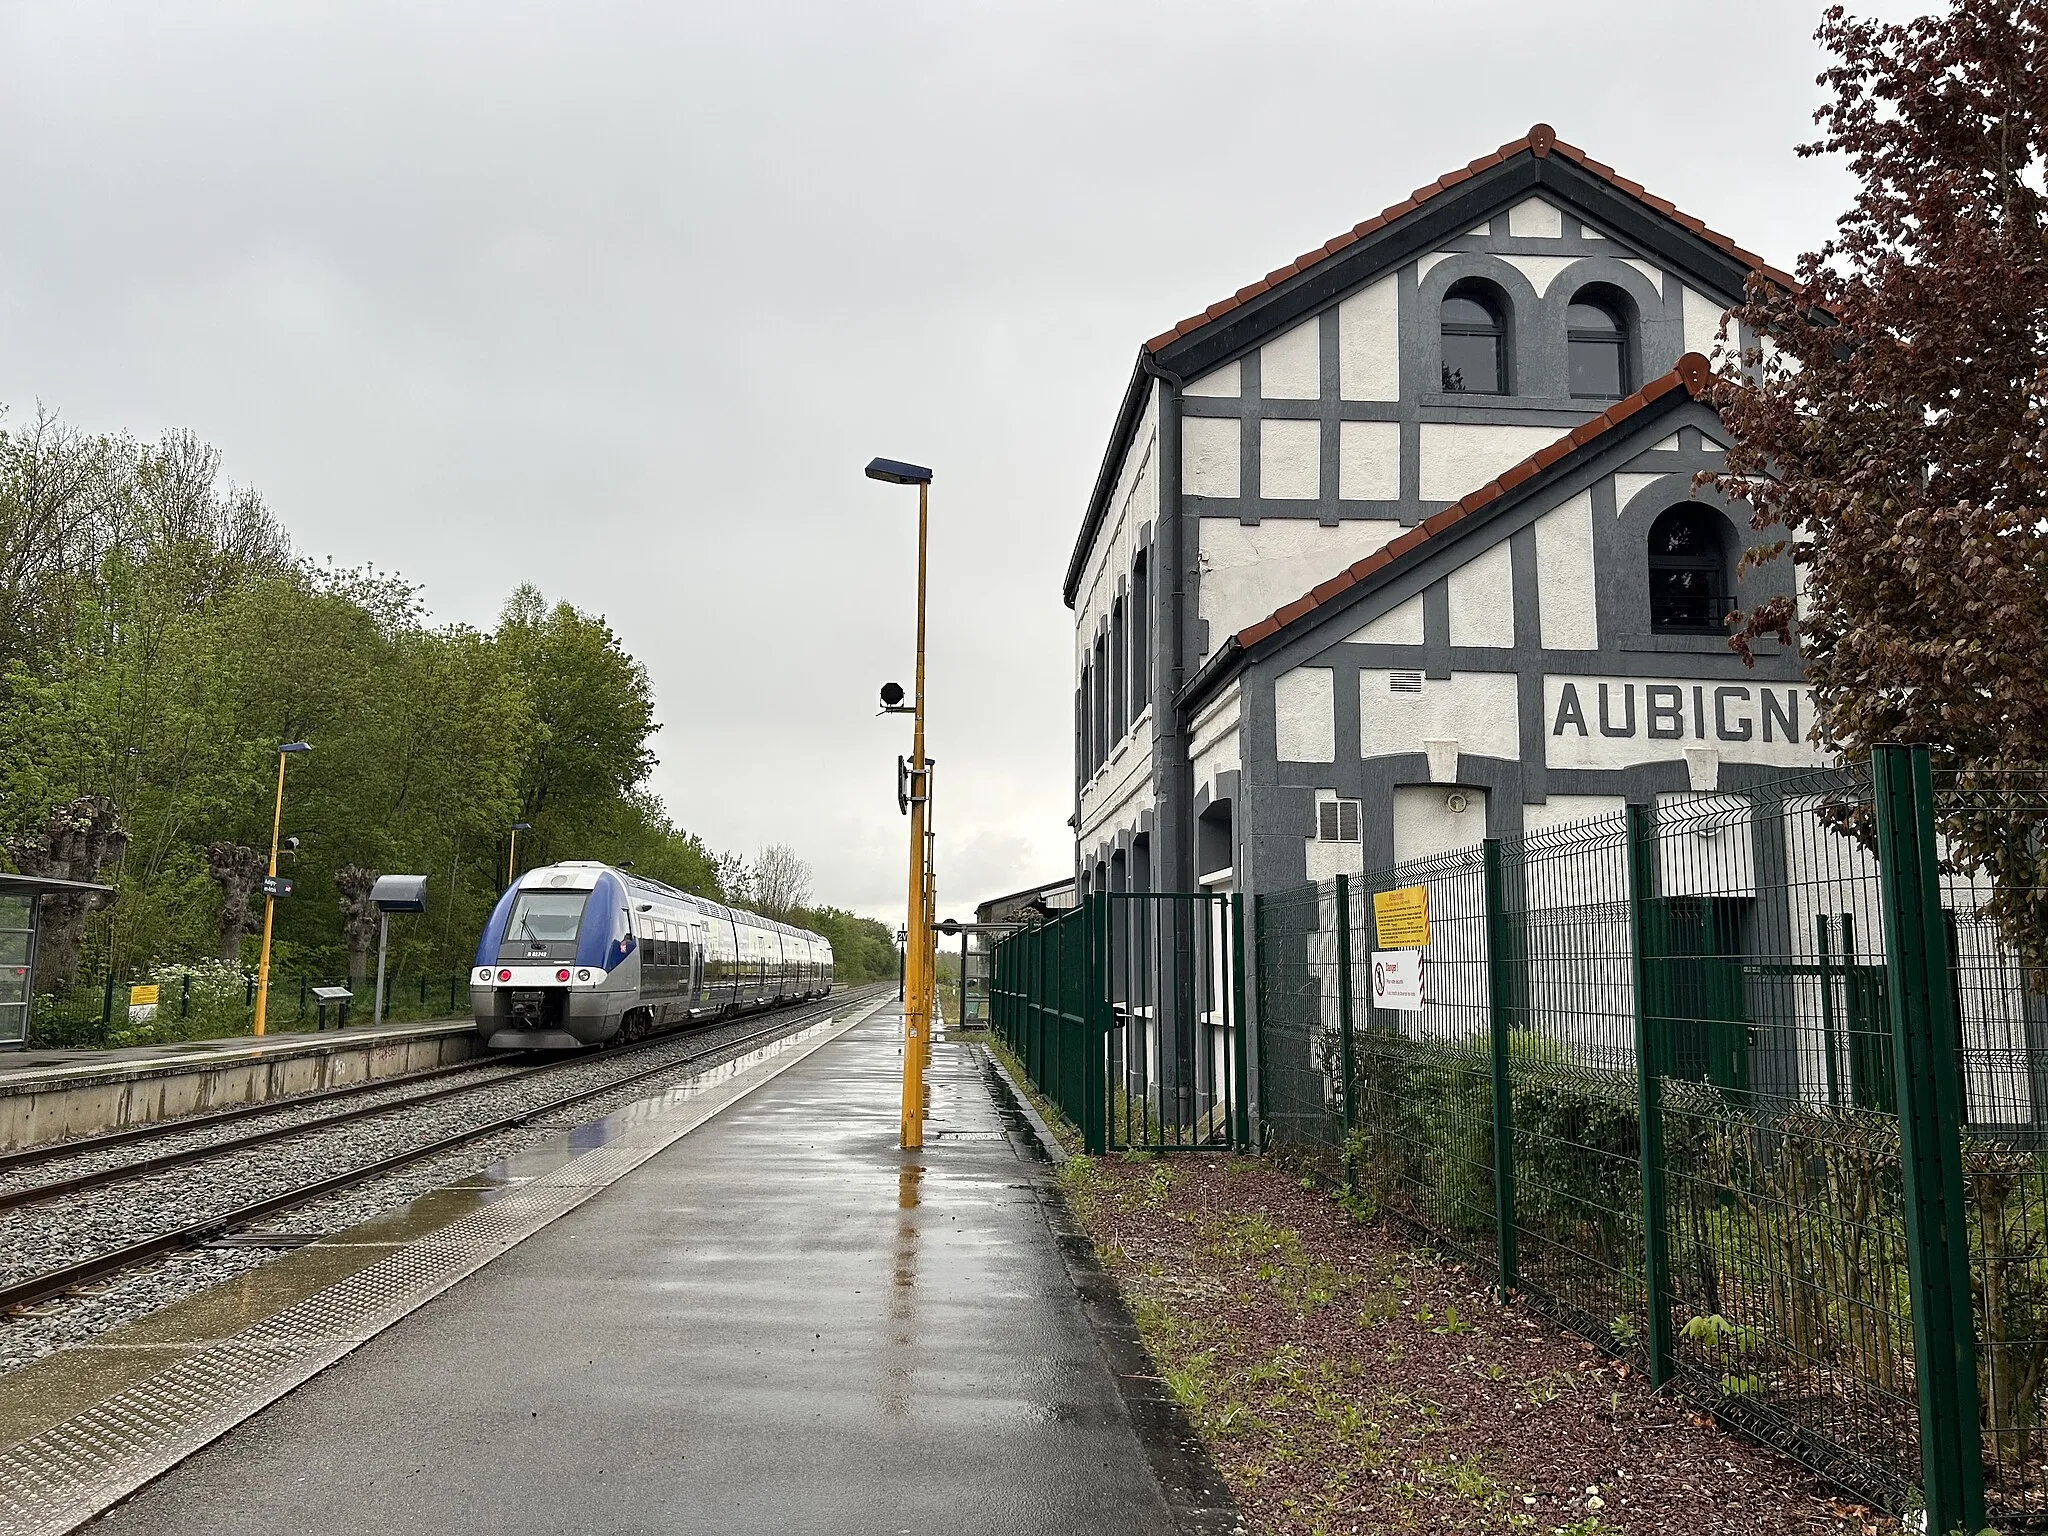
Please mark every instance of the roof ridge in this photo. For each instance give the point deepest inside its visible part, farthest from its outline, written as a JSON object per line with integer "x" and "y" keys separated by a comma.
{"x": 1692, "y": 374}
{"x": 1541, "y": 141}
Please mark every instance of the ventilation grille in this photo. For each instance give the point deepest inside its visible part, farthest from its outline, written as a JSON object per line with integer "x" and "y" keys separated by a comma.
{"x": 1404, "y": 682}
{"x": 1337, "y": 821}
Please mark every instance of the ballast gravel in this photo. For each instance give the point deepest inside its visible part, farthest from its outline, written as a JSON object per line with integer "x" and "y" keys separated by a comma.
{"x": 42, "y": 1237}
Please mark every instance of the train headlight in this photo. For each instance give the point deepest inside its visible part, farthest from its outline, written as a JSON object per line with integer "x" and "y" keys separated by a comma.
{"x": 562, "y": 974}
{"x": 583, "y": 975}
{"x": 504, "y": 975}
{"x": 484, "y": 974}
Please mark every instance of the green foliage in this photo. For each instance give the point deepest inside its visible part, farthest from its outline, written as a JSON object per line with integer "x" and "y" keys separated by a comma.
{"x": 862, "y": 949}
{"x": 158, "y": 639}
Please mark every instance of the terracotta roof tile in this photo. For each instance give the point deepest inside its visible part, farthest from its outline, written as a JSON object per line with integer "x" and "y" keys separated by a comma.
{"x": 1540, "y": 141}
{"x": 1692, "y": 375}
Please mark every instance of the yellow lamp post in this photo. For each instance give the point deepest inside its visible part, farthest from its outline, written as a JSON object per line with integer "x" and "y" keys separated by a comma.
{"x": 512, "y": 853}
{"x": 917, "y": 992}
{"x": 270, "y": 887}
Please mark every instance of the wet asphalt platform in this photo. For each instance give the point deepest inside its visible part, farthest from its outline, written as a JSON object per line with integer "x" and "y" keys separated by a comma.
{"x": 779, "y": 1323}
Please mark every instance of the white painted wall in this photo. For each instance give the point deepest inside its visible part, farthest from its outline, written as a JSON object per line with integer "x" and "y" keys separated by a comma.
{"x": 1326, "y": 861}
{"x": 1482, "y": 598}
{"x": 1305, "y": 715}
{"x": 1425, "y": 825}
{"x": 1462, "y": 456}
{"x": 1613, "y": 722}
{"x": 1209, "y": 456}
{"x": 1290, "y": 459}
{"x": 1536, "y": 219}
{"x": 1702, "y": 317}
{"x": 1477, "y": 710}
{"x": 1291, "y": 364}
{"x": 1245, "y": 573}
{"x": 1369, "y": 460}
{"x": 1399, "y": 625}
{"x": 1213, "y": 740}
{"x": 1225, "y": 383}
{"x": 1569, "y": 810}
{"x": 1630, "y": 484}
{"x": 1567, "y": 609}
{"x": 1369, "y": 342}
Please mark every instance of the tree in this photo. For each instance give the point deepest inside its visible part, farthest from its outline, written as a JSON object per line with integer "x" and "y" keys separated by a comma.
{"x": 236, "y": 869}
{"x": 1891, "y": 432}
{"x": 358, "y": 920}
{"x": 781, "y": 880}
{"x": 77, "y": 843}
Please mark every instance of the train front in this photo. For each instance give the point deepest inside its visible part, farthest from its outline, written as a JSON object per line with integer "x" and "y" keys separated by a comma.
{"x": 556, "y": 968}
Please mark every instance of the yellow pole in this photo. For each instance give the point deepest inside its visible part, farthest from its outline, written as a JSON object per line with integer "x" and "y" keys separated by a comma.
{"x": 269, "y": 906}
{"x": 512, "y": 857}
{"x": 916, "y": 993}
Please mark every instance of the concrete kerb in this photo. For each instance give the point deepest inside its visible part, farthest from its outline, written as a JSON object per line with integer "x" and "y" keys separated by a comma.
{"x": 1196, "y": 1495}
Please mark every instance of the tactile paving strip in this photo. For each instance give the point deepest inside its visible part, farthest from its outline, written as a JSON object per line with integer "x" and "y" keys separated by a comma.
{"x": 56, "y": 1480}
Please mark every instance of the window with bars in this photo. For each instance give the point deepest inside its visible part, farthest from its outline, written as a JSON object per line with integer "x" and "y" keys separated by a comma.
{"x": 1337, "y": 821}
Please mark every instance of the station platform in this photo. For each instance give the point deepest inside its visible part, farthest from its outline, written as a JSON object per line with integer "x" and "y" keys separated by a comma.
{"x": 738, "y": 1307}
{"x": 50, "y": 1095}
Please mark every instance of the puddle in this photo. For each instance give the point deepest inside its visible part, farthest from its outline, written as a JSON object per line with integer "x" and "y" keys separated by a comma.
{"x": 1023, "y": 1134}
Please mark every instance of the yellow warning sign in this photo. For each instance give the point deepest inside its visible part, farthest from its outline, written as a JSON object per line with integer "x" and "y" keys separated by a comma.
{"x": 143, "y": 997}
{"x": 1402, "y": 917}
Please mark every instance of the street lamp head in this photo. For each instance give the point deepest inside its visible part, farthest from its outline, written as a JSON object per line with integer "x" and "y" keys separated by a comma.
{"x": 522, "y": 826}
{"x": 296, "y": 746}
{"x": 290, "y": 845}
{"x": 898, "y": 473}
{"x": 892, "y": 695}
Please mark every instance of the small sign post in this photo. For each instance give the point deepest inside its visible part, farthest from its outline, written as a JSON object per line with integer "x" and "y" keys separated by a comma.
{"x": 142, "y": 1001}
{"x": 276, "y": 885}
{"x": 1401, "y": 918}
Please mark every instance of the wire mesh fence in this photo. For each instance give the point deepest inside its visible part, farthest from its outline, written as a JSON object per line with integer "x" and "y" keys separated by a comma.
{"x": 1750, "y": 1086}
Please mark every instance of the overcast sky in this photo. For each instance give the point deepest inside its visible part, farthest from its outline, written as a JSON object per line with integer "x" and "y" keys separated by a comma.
{"x": 619, "y": 299}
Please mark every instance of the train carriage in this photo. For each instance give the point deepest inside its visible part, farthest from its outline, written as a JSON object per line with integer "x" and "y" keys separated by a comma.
{"x": 579, "y": 954}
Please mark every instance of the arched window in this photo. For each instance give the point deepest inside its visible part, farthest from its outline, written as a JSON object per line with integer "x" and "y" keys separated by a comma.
{"x": 1689, "y": 585}
{"x": 1474, "y": 341}
{"x": 1596, "y": 332}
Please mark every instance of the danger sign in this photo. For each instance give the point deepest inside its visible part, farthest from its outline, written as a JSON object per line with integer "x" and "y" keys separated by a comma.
{"x": 1401, "y": 918}
{"x": 1397, "y": 980}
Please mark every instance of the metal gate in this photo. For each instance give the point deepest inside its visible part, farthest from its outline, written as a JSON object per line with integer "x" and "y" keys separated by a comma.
{"x": 1126, "y": 1013}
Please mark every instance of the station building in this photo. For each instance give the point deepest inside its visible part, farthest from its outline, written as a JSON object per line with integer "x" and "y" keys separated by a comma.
{"x": 1399, "y": 547}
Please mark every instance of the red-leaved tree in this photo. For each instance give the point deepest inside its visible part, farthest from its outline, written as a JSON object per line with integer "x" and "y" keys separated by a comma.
{"x": 1890, "y": 431}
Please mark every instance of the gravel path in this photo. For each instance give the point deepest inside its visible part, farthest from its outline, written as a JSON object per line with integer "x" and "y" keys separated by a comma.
{"x": 36, "y": 1238}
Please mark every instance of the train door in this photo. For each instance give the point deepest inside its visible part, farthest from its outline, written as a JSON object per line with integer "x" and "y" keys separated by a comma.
{"x": 696, "y": 968}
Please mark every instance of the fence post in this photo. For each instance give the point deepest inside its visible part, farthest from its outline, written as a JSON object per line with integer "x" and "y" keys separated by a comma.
{"x": 1347, "y": 1059}
{"x": 1240, "y": 1047}
{"x": 1096, "y": 1013}
{"x": 1930, "y": 1138}
{"x": 107, "y": 1007}
{"x": 1500, "y": 1007}
{"x": 1642, "y": 890}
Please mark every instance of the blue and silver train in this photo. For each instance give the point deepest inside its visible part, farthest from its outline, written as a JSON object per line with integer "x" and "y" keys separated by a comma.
{"x": 581, "y": 954}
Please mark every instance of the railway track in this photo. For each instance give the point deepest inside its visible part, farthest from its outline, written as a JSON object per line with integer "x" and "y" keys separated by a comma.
{"x": 54, "y": 1281}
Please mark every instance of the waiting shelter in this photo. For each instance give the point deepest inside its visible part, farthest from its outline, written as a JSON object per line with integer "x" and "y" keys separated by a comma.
{"x": 25, "y": 901}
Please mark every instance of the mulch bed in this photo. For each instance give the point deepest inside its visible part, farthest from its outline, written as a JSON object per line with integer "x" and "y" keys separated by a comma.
{"x": 1346, "y": 1382}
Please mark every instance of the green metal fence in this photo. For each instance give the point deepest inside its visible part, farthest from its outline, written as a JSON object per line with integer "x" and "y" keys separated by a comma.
{"x": 1125, "y": 1013}
{"x": 1750, "y": 1086}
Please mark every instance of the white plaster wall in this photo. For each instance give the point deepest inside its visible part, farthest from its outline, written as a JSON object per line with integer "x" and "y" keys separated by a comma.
{"x": 1209, "y": 456}
{"x": 1654, "y": 274}
{"x": 1629, "y": 484}
{"x": 1568, "y": 612}
{"x": 1540, "y": 270}
{"x": 1727, "y": 718}
{"x": 1482, "y": 598}
{"x": 1305, "y": 715}
{"x": 1132, "y": 505}
{"x": 1213, "y": 741}
{"x": 1245, "y": 573}
{"x": 1702, "y": 317}
{"x": 1705, "y": 846}
{"x": 1462, "y": 456}
{"x": 1569, "y": 810}
{"x": 1369, "y": 342}
{"x": 1400, "y": 625}
{"x": 1425, "y": 825}
{"x": 1477, "y": 710}
{"x": 1291, "y": 364}
{"x": 1326, "y": 861}
{"x": 1290, "y": 459}
{"x": 1223, "y": 383}
{"x": 1535, "y": 218}
{"x": 1369, "y": 461}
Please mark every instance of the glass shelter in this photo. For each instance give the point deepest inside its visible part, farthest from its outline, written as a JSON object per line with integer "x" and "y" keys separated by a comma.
{"x": 23, "y": 901}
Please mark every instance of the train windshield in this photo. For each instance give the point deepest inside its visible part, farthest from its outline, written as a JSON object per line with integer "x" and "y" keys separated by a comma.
{"x": 546, "y": 916}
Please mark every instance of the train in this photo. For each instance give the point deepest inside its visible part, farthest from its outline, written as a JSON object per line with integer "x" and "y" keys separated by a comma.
{"x": 582, "y": 954}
